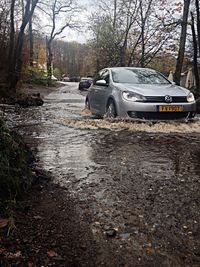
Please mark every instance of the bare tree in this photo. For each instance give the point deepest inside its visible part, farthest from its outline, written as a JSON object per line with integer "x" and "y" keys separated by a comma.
{"x": 198, "y": 22}
{"x": 144, "y": 15}
{"x": 4, "y": 38}
{"x": 55, "y": 12}
{"x": 138, "y": 29}
{"x": 181, "y": 52}
{"x": 111, "y": 27}
{"x": 12, "y": 37}
{"x": 131, "y": 14}
{"x": 31, "y": 45}
{"x": 195, "y": 55}
{"x": 17, "y": 56}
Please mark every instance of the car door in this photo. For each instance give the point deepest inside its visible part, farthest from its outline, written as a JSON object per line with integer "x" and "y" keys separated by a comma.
{"x": 98, "y": 92}
{"x": 103, "y": 92}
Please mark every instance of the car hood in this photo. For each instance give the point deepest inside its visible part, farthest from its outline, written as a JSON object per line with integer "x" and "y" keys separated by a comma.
{"x": 154, "y": 89}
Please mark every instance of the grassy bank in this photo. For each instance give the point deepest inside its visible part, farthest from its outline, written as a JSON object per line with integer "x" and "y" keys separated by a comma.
{"x": 15, "y": 170}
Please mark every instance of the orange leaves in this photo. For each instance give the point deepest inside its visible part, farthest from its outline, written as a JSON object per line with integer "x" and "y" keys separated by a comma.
{"x": 52, "y": 253}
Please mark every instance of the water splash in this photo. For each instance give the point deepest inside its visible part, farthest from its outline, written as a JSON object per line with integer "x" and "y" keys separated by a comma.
{"x": 87, "y": 122}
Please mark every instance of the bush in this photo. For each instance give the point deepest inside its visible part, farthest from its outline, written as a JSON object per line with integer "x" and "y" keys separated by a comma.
{"x": 34, "y": 75}
{"x": 57, "y": 73}
{"x": 15, "y": 159}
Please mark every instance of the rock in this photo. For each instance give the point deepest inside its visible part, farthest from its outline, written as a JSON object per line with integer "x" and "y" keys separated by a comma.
{"x": 31, "y": 100}
{"x": 24, "y": 100}
{"x": 111, "y": 233}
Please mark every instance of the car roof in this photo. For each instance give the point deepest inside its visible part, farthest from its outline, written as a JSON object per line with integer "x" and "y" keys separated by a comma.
{"x": 131, "y": 68}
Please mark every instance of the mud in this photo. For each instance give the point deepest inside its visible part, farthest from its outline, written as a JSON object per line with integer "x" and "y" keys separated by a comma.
{"x": 138, "y": 181}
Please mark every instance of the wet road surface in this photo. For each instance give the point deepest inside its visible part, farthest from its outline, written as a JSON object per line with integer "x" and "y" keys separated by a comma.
{"x": 140, "y": 182}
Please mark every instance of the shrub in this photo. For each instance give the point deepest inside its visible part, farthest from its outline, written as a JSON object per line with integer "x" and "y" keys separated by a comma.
{"x": 57, "y": 73}
{"x": 34, "y": 75}
{"x": 15, "y": 158}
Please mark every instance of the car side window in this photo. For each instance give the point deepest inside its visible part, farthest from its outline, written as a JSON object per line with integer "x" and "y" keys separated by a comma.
{"x": 102, "y": 75}
{"x": 105, "y": 76}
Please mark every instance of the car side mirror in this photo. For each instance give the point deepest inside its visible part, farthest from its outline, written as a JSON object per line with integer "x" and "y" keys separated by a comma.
{"x": 173, "y": 83}
{"x": 101, "y": 83}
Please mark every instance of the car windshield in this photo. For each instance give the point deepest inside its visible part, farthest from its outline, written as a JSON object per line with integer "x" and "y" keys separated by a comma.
{"x": 138, "y": 76}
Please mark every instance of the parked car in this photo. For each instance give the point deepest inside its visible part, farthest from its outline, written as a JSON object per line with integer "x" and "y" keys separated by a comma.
{"x": 74, "y": 79}
{"x": 85, "y": 83}
{"x": 127, "y": 92}
{"x": 66, "y": 79}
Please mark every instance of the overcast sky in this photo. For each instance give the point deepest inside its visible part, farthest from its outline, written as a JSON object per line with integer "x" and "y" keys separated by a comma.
{"x": 83, "y": 16}
{"x": 82, "y": 35}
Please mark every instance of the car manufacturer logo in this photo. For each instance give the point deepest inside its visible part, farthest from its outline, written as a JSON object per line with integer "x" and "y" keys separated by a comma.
{"x": 168, "y": 99}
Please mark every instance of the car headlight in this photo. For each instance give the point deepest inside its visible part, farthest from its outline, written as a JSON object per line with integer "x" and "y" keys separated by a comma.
{"x": 190, "y": 97}
{"x": 129, "y": 96}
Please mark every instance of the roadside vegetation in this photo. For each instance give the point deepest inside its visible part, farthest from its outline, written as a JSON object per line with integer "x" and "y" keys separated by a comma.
{"x": 15, "y": 170}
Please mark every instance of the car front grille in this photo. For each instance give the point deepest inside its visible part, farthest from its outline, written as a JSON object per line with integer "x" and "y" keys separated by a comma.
{"x": 161, "y": 99}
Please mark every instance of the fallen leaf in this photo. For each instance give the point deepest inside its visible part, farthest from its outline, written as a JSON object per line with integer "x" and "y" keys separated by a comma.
{"x": 150, "y": 251}
{"x": 3, "y": 223}
{"x": 14, "y": 255}
{"x": 18, "y": 254}
{"x": 52, "y": 253}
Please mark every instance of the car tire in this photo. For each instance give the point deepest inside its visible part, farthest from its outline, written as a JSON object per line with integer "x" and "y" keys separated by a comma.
{"x": 111, "y": 112}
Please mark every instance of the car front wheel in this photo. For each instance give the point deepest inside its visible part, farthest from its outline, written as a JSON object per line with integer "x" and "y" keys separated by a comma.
{"x": 111, "y": 112}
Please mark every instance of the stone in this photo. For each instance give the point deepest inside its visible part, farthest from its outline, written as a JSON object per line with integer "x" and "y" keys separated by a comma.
{"x": 111, "y": 233}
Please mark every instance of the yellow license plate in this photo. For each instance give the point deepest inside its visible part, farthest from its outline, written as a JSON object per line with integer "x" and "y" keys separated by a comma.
{"x": 170, "y": 108}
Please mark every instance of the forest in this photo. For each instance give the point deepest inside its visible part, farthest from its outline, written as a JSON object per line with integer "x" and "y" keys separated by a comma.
{"x": 162, "y": 34}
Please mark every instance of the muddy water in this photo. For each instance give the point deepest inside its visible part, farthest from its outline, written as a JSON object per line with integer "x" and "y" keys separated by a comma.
{"x": 140, "y": 182}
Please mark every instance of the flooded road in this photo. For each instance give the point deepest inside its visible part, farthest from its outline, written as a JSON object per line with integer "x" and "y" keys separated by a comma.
{"x": 139, "y": 181}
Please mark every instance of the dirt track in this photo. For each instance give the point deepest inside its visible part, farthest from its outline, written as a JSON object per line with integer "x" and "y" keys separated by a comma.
{"x": 122, "y": 194}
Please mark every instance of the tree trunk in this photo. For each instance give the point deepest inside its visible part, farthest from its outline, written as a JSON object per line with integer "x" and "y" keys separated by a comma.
{"x": 198, "y": 23}
{"x": 12, "y": 39}
{"x": 143, "y": 20}
{"x": 179, "y": 63}
{"x": 115, "y": 15}
{"x": 17, "y": 62}
{"x": 97, "y": 65}
{"x": 31, "y": 52}
{"x": 143, "y": 47}
{"x": 49, "y": 61}
{"x": 195, "y": 63}
{"x": 123, "y": 55}
{"x": 17, "y": 59}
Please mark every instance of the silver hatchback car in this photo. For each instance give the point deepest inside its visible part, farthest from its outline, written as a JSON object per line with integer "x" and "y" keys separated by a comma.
{"x": 143, "y": 93}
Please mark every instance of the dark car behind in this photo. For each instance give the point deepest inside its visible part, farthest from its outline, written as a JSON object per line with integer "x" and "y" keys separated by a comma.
{"x": 85, "y": 83}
